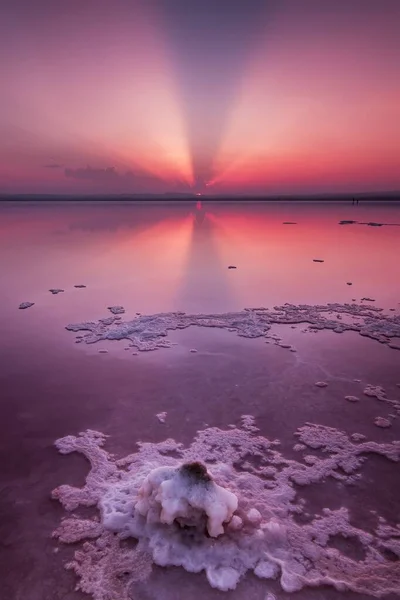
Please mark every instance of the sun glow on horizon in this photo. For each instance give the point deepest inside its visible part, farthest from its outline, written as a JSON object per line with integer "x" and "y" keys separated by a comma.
{"x": 279, "y": 99}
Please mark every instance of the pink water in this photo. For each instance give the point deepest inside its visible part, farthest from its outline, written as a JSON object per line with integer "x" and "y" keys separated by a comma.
{"x": 164, "y": 258}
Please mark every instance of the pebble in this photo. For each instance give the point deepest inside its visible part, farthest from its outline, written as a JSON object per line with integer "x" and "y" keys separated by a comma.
{"x": 193, "y": 350}
{"x": 55, "y": 291}
{"x": 319, "y": 260}
{"x": 352, "y": 398}
{"x": 232, "y": 267}
{"x": 321, "y": 384}
{"x": 80, "y": 285}
{"x": 382, "y": 422}
{"x": 103, "y": 351}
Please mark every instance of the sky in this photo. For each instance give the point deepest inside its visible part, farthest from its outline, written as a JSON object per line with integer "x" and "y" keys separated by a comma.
{"x": 213, "y": 97}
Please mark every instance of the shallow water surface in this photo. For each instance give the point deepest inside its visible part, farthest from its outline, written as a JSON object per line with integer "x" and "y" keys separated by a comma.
{"x": 152, "y": 259}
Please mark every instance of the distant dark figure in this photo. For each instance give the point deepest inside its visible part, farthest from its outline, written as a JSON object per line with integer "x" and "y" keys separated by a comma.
{"x": 355, "y": 201}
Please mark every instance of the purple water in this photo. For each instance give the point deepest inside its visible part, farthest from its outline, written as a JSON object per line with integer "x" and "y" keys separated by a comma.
{"x": 152, "y": 259}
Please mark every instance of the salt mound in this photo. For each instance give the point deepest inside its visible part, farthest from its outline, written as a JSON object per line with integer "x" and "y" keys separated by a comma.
{"x": 225, "y": 505}
{"x": 188, "y": 495}
{"x": 149, "y": 332}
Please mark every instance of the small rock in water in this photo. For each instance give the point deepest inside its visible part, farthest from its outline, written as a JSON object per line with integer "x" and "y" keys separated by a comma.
{"x": 26, "y": 305}
{"x": 193, "y": 350}
{"x": 357, "y": 380}
{"x": 347, "y": 222}
{"x": 232, "y": 267}
{"x": 56, "y": 291}
{"x": 367, "y": 300}
{"x": 103, "y": 351}
{"x": 161, "y": 417}
{"x": 79, "y": 285}
{"x": 349, "y": 283}
{"x": 285, "y": 345}
{"x": 135, "y": 353}
{"x": 351, "y": 398}
{"x": 321, "y": 384}
{"x": 382, "y": 422}
{"x": 318, "y": 260}
{"x": 289, "y": 223}
{"x": 116, "y": 310}
{"x": 293, "y": 350}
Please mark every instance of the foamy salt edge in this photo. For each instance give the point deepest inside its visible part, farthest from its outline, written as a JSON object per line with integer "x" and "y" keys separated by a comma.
{"x": 149, "y": 332}
{"x": 256, "y": 532}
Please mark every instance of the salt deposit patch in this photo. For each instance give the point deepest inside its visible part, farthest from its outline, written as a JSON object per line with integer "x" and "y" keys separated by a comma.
{"x": 149, "y": 332}
{"x": 199, "y": 508}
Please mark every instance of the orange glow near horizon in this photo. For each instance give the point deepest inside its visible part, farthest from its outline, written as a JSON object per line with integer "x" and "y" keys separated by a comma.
{"x": 143, "y": 99}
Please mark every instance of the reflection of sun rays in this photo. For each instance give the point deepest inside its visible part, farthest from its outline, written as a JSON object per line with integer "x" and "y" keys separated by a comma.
{"x": 204, "y": 281}
{"x": 147, "y": 261}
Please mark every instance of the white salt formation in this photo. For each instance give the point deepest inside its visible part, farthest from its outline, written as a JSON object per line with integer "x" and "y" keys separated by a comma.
{"x": 149, "y": 332}
{"x": 187, "y": 495}
{"x": 226, "y": 505}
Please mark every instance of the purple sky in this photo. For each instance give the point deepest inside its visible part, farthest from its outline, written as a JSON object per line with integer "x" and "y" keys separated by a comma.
{"x": 254, "y": 96}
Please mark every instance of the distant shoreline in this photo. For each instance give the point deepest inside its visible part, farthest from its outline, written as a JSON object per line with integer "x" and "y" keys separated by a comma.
{"x": 381, "y": 198}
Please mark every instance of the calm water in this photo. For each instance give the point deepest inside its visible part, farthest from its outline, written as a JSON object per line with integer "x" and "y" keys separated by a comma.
{"x": 164, "y": 258}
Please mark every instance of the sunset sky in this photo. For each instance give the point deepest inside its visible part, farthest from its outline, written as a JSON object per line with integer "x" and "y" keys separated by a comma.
{"x": 210, "y": 96}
